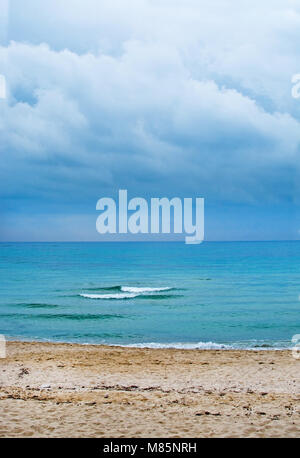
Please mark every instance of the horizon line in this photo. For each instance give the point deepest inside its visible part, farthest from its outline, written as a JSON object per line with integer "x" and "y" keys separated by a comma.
{"x": 146, "y": 241}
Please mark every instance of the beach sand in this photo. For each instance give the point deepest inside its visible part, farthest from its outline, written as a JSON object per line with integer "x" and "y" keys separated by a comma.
{"x": 64, "y": 390}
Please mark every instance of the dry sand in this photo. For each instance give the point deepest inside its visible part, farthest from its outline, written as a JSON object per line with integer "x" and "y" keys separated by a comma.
{"x": 64, "y": 390}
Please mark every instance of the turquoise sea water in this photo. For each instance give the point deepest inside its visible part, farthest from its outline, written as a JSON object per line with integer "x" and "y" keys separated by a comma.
{"x": 213, "y": 295}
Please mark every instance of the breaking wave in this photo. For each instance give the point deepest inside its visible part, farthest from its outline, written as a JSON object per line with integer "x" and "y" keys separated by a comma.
{"x": 133, "y": 289}
{"x": 109, "y": 296}
{"x": 183, "y": 346}
{"x": 129, "y": 292}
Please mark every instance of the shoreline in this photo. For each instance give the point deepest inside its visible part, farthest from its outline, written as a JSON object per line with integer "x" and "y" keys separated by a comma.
{"x": 74, "y": 390}
{"x": 190, "y": 346}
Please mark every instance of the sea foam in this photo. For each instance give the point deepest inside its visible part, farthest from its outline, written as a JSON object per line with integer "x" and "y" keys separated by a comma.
{"x": 127, "y": 292}
{"x": 109, "y": 296}
{"x": 182, "y": 345}
{"x": 133, "y": 289}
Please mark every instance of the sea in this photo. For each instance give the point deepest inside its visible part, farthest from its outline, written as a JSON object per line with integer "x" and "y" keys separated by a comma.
{"x": 216, "y": 295}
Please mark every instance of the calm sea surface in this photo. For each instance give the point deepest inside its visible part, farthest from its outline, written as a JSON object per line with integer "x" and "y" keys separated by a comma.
{"x": 213, "y": 295}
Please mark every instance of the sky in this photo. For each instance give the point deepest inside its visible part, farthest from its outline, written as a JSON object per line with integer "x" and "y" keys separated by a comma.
{"x": 164, "y": 98}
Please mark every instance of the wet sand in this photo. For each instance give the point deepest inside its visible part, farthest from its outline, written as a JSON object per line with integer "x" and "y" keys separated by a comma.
{"x": 64, "y": 390}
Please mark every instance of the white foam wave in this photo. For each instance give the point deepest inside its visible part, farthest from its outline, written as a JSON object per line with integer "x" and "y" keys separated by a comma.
{"x": 133, "y": 289}
{"x": 109, "y": 296}
{"x": 128, "y": 292}
{"x": 183, "y": 346}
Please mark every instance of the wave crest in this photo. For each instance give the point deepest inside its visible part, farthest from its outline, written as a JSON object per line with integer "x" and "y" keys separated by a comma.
{"x": 109, "y": 296}
{"x": 139, "y": 290}
{"x": 129, "y": 292}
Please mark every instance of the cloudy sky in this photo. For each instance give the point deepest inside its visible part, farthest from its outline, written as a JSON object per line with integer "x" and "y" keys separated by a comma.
{"x": 185, "y": 98}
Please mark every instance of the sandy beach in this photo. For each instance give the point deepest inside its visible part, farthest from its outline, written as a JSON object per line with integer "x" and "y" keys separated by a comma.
{"x": 65, "y": 390}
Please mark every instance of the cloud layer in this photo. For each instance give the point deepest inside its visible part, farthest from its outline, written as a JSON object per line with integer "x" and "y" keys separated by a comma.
{"x": 171, "y": 97}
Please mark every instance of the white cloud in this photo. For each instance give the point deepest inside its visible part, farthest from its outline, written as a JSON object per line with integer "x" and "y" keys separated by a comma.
{"x": 169, "y": 97}
{"x": 253, "y": 44}
{"x": 140, "y": 113}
